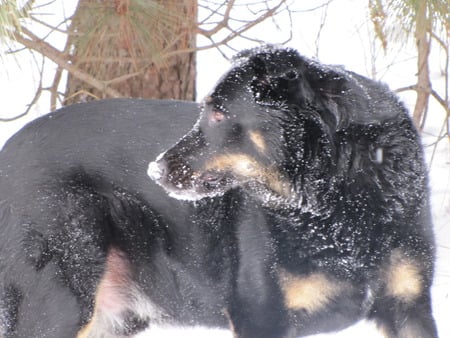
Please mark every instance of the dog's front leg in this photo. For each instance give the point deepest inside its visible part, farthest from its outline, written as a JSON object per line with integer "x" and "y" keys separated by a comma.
{"x": 257, "y": 309}
{"x": 256, "y": 318}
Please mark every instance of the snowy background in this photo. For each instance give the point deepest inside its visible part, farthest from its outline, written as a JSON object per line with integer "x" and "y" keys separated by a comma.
{"x": 345, "y": 39}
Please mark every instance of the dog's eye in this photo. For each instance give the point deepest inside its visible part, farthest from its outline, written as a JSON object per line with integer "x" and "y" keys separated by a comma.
{"x": 291, "y": 75}
{"x": 215, "y": 117}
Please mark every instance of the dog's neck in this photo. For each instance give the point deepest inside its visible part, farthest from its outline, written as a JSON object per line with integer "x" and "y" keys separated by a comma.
{"x": 292, "y": 202}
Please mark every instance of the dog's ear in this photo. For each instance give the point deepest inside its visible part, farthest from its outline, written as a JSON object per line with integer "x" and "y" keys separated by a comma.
{"x": 339, "y": 94}
{"x": 273, "y": 87}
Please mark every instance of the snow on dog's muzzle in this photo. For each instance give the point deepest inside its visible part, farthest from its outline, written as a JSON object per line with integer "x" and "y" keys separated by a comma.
{"x": 182, "y": 183}
{"x": 156, "y": 171}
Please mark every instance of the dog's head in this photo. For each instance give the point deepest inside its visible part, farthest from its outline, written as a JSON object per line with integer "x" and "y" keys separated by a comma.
{"x": 260, "y": 129}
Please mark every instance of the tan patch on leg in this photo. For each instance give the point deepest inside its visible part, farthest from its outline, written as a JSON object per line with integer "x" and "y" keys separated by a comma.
{"x": 403, "y": 278}
{"x": 110, "y": 299}
{"x": 310, "y": 293}
{"x": 409, "y": 329}
{"x": 232, "y": 329}
{"x": 383, "y": 331}
{"x": 258, "y": 140}
{"x": 117, "y": 295}
{"x": 85, "y": 331}
{"x": 245, "y": 166}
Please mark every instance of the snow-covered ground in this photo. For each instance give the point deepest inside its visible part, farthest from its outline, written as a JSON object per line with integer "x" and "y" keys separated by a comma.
{"x": 343, "y": 40}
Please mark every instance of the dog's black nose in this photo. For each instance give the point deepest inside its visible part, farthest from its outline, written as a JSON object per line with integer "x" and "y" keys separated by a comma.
{"x": 157, "y": 169}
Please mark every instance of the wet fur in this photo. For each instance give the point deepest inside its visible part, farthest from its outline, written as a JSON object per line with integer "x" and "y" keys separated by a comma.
{"x": 89, "y": 245}
{"x": 332, "y": 185}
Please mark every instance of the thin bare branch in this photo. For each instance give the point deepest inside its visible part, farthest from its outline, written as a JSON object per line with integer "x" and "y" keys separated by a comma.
{"x": 440, "y": 137}
{"x": 35, "y": 99}
{"x": 323, "y": 20}
{"x": 82, "y": 92}
{"x": 124, "y": 77}
{"x": 52, "y": 28}
{"x": 36, "y": 44}
{"x": 439, "y": 40}
{"x": 431, "y": 91}
{"x": 222, "y": 24}
{"x": 235, "y": 33}
{"x": 441, "y": 101}
{"x": 213, "y": 12}
{"x": 313, "y": 9}
{"x": 404, "y": 89}
{"x": 54, "y": 88}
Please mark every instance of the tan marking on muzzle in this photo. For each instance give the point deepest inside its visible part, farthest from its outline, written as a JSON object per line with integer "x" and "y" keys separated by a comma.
{"x": 244, "y": 166}
{"x": 309, "y": 293}
{"x": 258, "y": 140}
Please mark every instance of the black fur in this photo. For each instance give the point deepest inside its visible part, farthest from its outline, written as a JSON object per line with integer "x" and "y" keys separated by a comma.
{"x": 332, "y": 186}
{"x": 310, "y": 211}
{"x": 74, "y": 194}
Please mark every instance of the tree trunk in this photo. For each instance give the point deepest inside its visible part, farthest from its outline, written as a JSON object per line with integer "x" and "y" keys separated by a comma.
{"x": 137, "y": 48}
{"x": 423, "y": 87}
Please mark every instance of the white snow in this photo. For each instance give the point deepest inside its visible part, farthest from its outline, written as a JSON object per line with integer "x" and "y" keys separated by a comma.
{"x": 343, "y": 40}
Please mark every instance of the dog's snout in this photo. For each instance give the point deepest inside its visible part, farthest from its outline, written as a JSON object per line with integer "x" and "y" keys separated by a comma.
{"x": 157, "y": 169}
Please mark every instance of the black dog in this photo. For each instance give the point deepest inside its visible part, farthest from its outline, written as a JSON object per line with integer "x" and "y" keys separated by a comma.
{"x": 333, "y": 217}
{"x": 89, "y": 245}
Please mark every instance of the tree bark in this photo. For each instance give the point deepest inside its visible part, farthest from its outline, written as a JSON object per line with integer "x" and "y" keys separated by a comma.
{"x": 423, "y": 87}
{"x": 139, "y": 49}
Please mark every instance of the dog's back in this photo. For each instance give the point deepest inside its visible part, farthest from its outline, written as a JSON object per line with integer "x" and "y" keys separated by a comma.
{"x": 84, "y": 232}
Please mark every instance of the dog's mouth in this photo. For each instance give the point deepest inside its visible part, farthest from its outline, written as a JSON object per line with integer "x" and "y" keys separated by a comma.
{"x": 213, "y": 180}
{"x": 189, "y": 185}
{"x": 183, "y": 183}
